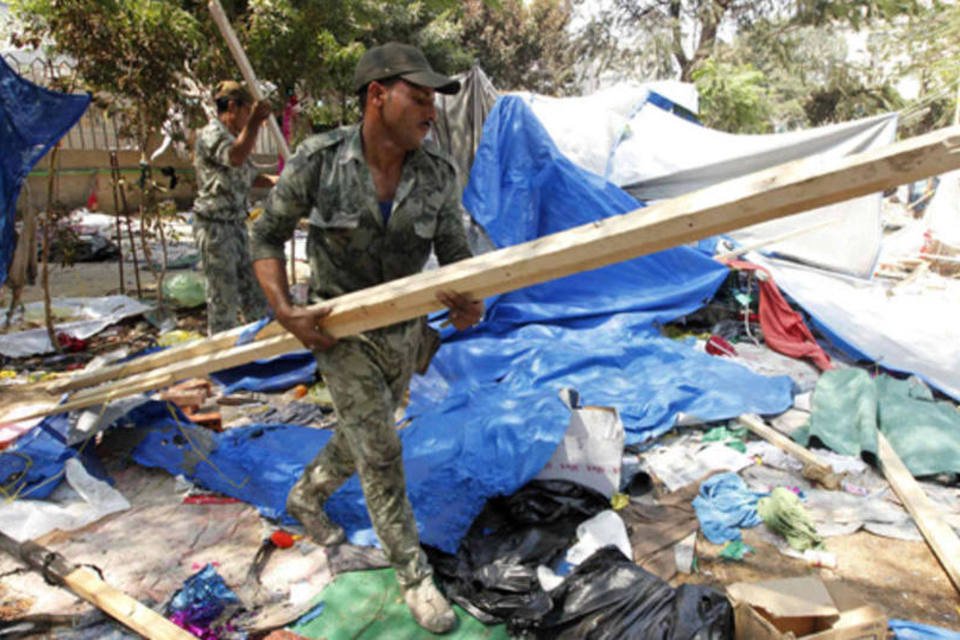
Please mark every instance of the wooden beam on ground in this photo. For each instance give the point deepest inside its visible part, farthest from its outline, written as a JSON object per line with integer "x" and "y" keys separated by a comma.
{"x": 766, "y": 195}
{"x": 177, "y": 353}
{"x": 814, "y": 467}
{"x": 939, "y": 535}
{"x": 86, "y": 584}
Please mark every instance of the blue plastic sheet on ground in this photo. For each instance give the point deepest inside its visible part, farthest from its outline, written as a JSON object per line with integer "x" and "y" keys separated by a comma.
{"x": 272, "y": 374}
{"x": 249, "y": 333}
{"x": 32, "y": 119}
{"x": 455, "y": 459}
{"x": 33, "y": 467}
{"x": 906, "y": 630}
{"x": 594, "y": 331}
{"x": 724, "y": 506}
{"x": 30, "y": 467}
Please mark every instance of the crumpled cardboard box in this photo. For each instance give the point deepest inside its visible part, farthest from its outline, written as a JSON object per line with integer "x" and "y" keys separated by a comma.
{"x": 806, "y": 608}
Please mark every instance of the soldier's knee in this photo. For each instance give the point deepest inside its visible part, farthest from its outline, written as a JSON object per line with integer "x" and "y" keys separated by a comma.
{"x": 383, "y": 457}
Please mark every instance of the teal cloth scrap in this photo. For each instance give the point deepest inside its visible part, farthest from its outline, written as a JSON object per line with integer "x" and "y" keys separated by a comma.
{"x": 733, "y": 438}
{"x": 849, "y": 407}
{"x": 735, "y": 550}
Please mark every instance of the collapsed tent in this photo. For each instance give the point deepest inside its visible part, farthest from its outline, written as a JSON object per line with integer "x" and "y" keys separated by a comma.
{"x": 631, "y": 140}
{"x": 828, "y": 255}
{"x": 32, "y": 120}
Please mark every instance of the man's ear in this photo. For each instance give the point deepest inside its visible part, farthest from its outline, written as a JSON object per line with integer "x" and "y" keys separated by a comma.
{"x": 376, "y": 92}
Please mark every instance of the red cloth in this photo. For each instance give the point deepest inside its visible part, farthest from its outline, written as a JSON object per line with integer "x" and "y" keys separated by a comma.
{"x": 783, "y": 328}
{"x": 286, "y": 125}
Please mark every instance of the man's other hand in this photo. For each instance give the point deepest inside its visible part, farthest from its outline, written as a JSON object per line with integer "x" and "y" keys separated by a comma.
{"x": 464, "y": 310}
{"x": 307, "y": 325}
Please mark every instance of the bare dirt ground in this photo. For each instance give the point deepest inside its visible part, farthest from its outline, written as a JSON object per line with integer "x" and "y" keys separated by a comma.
{"x": 87, "y": 279}
{"x": 900, "y": 576}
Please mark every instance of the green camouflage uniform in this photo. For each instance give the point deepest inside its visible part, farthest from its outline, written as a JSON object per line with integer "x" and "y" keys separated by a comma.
{"x": 220, "y": 230}
{"x": 350, "y": 248}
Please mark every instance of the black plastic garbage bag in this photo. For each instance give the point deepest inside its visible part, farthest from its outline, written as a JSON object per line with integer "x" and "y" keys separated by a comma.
{"x": 494, "y": 572}
{"x": 608, "y": 596}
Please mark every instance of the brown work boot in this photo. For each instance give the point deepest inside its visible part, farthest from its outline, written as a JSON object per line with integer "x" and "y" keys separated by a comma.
{"x": 429, "y": 608}
{"x": 321, "y": 529}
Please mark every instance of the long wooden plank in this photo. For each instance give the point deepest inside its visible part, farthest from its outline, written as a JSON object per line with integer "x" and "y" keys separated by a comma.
{"x": 123, "y": 608}
{"x": 94, "y": 590}
{"x": 939, "y": 535}
{"x": 766, "y": 195}
{"x": 246, "y": 70}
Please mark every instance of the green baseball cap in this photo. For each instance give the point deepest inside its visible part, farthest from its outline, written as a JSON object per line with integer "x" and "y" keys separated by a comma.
{"x": 396, "y": 60}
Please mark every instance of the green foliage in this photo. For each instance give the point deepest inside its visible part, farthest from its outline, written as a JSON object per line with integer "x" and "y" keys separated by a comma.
{"x": 799, "y": 47}
{"x": 733, "y": 97}
{"x": 927, "y": 49}
{"x": 522, "y": 45}
{"x": 132, "y": 50}
{"x": 811, "y": 79}
{"x": 312, "y": 47}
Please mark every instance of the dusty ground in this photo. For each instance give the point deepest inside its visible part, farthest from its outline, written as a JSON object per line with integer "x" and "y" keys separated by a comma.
{"x": 900, "y": 576}
{"x": 88, "y": 279}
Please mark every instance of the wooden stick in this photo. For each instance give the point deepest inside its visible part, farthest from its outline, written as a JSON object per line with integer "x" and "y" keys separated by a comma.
{"x": 821, "y": 471}
{"x": 772, "y": 193}
{"x": 942, "y": 539}
{"x": 91, "y": 588}
{"x": 774, "y": 437}
{"x": 246, "y": 70}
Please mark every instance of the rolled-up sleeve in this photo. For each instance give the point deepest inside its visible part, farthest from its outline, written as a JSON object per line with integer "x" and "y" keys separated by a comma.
{"x": 290, "y": 200}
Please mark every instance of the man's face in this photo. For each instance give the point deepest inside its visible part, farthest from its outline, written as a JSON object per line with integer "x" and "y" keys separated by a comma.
{"x": 407, "y": 112}
{"x": 240, "y": 113}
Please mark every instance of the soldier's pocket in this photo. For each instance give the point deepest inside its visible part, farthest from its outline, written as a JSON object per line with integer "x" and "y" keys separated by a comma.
{"x": 424, "y": 215}
{"x": 337, "y": 227}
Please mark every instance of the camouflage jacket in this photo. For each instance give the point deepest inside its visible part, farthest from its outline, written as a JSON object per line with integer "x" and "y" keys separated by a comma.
{"x": 349, "y": 246}
{"x": 222, "y": 189}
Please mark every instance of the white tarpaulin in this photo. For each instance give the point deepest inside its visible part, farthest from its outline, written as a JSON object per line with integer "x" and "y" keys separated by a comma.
{"x": 653, "y": 154}
{"x": 86, "y": 317}
{"x": 909, "y": 326}
{"x": 942, "y": 214}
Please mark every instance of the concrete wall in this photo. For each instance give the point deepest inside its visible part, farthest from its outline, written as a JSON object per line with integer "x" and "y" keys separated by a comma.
{"x": 83, "y": 171}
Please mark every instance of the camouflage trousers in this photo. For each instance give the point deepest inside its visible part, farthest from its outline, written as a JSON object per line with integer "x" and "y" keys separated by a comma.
{"x": 367, "y": 377}
{"x": 227, "y": 266}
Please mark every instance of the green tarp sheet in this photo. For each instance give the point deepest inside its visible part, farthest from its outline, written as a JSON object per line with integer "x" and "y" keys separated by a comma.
{"x": 849, "y": 406}
{"x": 368, "y": 604}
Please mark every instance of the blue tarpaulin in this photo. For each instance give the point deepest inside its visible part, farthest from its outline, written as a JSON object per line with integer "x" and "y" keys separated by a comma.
{"x": 907, "y": 630}
{"x": 455, "y": 458}
{"x": 273, "y": 374}
{"x": 593, "y": 331}
{"x": 33, "y": 467}
{"x": 32, "y": 119}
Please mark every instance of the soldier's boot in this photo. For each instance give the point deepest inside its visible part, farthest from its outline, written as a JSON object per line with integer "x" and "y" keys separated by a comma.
{"x": 307, "y": 507}
{"x": 428, "y": 606}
